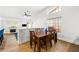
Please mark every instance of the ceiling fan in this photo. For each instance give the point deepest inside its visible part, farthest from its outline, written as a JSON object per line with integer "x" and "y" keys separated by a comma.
{"x": 27, "y": 13}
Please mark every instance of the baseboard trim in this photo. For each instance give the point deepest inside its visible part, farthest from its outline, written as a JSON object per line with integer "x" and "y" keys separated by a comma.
{"x": 67, "y": 41}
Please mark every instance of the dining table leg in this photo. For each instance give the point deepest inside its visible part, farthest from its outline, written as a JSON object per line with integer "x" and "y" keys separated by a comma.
{"x": 31, "y": 43}
{"x": 55, "y": 39}
{"x": 38, "y": 45}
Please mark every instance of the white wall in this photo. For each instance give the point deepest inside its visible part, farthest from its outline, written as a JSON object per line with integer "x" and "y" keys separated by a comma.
{"x": 7, "y": 22}
{"x": 39, "y": 21}
{"x": 70, "y": 24}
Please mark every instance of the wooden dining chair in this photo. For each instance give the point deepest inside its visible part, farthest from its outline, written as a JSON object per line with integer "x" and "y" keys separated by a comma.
{"x": 51, "y": 35}
{"x": 54, "y": 34}
{"x": 33, "y": 40}
{"x": 46, "y": 40}
{"x": 49, "y": 39}
{"x": 55, "y": 37}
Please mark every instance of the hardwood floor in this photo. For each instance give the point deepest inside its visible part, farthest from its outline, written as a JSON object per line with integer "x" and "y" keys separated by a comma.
{"x": 12, "y": 46}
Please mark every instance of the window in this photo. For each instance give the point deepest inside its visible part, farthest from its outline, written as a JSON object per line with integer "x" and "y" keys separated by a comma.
{"x": 54, "y": 18}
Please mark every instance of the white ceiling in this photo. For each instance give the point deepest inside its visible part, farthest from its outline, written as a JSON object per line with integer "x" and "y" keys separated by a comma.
{"x": 18, "y": 11}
